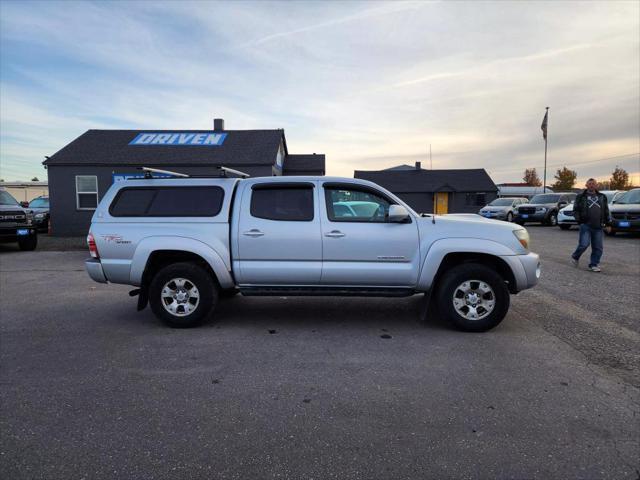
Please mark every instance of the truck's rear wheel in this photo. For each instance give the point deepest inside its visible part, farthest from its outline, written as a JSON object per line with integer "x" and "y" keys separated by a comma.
{"x": 183, "y": 294}
{"x": 473, "y": 297}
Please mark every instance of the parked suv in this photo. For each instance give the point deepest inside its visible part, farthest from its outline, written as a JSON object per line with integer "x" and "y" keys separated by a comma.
{"x": 625, "y": 212}
{"x": 503, "y": 208}
{"x": 40, "y": 208}
{"x": 186, "y": 242}
{"x": 16, "y": 223}
{"x": 543, "y": 208}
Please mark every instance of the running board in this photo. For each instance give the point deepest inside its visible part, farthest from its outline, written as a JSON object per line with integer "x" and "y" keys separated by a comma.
{"x": 326, "y": 292}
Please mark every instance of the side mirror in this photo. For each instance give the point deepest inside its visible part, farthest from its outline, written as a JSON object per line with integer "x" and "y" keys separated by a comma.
{"x": 562, "y": 204}
{"x": 24, "y": 204}
{"x": 398, "y": 214}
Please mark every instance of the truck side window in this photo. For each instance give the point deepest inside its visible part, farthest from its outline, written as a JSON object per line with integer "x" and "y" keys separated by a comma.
{"x": 290, "y": 203}
{"x": 354, "y": 205}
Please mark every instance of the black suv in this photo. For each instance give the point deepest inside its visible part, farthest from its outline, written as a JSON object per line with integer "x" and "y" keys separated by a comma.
{"x": 16, "y": 223}
{"x": 543, "y": 208}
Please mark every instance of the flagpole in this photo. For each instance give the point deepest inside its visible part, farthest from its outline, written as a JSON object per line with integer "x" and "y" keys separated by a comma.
{"x": 546, "y": 134}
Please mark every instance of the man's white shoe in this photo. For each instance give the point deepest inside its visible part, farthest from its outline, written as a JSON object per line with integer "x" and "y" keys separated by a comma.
{"x": 595, "y": 268}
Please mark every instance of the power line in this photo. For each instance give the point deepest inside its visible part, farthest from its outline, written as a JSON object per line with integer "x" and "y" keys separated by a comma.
{"x": 588, "y": 162}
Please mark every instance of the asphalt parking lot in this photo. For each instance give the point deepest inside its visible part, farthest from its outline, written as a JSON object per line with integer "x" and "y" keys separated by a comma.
{"x": 321, "y": 387}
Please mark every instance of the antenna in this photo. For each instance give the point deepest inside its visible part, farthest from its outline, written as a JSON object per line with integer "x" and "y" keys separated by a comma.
{"x": 148, "y": 172}
{"x": 430, "y": 159}
{"x": 226, "y": 170}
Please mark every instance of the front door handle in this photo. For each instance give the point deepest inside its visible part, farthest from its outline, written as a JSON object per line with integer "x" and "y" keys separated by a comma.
{"x": 334, "y": 234}
{"x": 254, "y": 232}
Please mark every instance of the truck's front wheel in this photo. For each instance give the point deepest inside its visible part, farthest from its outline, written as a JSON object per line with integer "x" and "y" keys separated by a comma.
{"x": 183, "y": 294}
{"x": 28, "y": 243}
{"x": 473, "y": 297}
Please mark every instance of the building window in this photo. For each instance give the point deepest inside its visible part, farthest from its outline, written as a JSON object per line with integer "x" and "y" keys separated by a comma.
{"x": 476, "y": 199}
{"x": 86, "y": 192}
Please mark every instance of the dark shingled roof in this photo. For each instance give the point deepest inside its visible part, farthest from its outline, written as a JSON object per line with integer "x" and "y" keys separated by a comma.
{"x": 414, "y": 180}
{"x": 111, "y": 147}
{"x": 304, "y": 165}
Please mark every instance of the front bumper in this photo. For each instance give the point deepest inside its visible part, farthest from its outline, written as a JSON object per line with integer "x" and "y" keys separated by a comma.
{"x": 497, "y": 215}
{"x": 531, "y": 217}
{"x": 525, "y": 268}
{"x": 566, "y": 220}
{"x": 94, "y": 269}
{"x": 625, "y": 225}
{"x": 11, "y": 234}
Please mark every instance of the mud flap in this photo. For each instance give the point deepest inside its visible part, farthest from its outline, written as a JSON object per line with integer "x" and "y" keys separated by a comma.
{"x": 428, "y": 307}
{"x": 143, "y": 297}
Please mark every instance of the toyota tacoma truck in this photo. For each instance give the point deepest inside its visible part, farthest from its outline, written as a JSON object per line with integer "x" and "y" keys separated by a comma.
{"x": 185, "y": 243}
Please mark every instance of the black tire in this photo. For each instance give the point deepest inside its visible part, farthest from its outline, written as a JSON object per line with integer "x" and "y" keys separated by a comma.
{"x": 552, "y": 219}
{"x": 29, "y": 243}
{"x": 456, "y": 276}
{"x": 205, "y": 284}
{"x": 509, "y": 217}
{"x": 564, "y": 227}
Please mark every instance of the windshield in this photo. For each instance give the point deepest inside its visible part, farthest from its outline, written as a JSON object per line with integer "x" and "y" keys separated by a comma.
{"x": 501, "y": 202}
{"x": 39, "y": 203}
{"x": 6, "y": 199}
{"x": 632, "y": 196}
{"x": 546, "y": 198}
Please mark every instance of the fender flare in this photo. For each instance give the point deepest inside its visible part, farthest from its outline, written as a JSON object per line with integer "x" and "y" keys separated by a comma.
{"x": 183, "y": 244}
{"x": 440, "y": 248}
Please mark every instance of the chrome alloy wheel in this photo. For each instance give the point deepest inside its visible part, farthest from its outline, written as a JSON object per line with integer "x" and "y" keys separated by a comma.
{"x": 180, "y": 297}
{"x": 474, "y": 299}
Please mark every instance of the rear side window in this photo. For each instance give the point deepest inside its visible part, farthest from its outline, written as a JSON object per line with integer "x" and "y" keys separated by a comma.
{"x": 167, "y": 202}
{"x": 293, "y": 204}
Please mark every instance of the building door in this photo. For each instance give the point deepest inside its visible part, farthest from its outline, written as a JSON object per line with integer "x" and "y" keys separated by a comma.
{"x": 442, "y": 202}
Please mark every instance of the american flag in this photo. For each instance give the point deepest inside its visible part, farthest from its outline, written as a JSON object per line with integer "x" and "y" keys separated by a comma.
{"x": 544, "y": 125}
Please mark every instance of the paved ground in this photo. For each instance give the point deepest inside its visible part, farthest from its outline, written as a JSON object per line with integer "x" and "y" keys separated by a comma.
{"x": 313, "y": 388}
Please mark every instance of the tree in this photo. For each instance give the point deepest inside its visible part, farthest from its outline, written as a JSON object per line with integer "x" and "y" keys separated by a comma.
{"x": 35, "y": 179}
{"x": 531, "y": 177}
{"x": 565, "y": 179}
{"x": 619, "y": 179}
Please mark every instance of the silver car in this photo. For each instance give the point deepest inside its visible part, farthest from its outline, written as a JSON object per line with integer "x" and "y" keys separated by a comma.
{"x": 503, "y": 208}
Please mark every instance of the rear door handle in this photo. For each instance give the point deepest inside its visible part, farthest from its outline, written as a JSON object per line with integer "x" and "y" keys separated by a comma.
{"x": 254, "y": 232}
{"x": 334, "y": 234}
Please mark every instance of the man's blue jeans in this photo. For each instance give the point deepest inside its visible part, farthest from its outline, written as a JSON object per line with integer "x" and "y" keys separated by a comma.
{"x": 593, "y": 235}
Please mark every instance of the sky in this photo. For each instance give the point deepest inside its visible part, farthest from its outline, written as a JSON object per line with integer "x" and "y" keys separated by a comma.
{"x": 369, "y": 84}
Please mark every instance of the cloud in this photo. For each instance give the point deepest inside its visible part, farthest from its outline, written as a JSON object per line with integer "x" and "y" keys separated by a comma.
{"x": 370, "y": 85}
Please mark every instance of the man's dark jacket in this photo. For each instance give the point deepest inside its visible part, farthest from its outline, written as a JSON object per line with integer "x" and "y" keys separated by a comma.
{"x": 581, "y": 208}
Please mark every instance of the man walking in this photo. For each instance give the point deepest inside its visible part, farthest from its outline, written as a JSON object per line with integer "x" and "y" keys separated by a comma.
{"x": 592, "y": 214}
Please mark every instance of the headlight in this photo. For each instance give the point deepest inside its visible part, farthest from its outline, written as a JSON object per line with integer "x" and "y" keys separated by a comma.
{"x": 523, "y": 237}
{"x": 39, "y": 216}
{"x": 541, "y": 209}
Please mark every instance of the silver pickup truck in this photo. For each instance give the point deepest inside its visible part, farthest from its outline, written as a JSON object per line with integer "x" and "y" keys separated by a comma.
{"x": 188, "y": 242}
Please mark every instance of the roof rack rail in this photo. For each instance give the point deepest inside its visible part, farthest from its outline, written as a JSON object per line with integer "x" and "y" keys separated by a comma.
{"x": 226, "y": 171}
{"x": 149, "y": 171}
